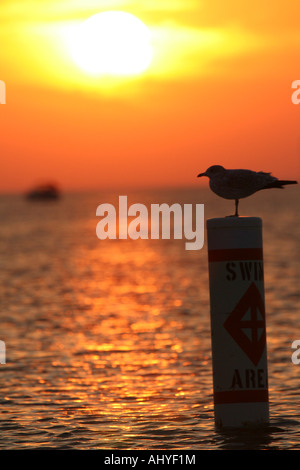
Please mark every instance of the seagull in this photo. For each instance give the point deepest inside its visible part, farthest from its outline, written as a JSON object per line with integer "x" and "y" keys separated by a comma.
{"x": 237, "y": 184}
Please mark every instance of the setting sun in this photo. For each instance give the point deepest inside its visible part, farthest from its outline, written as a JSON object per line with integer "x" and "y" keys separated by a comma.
{"x": 150, "y": 90}
{"x": 111, "y": 43}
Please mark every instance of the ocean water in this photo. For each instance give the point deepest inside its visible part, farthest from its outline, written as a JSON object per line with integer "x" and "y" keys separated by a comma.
{"x": 108, "y": 342}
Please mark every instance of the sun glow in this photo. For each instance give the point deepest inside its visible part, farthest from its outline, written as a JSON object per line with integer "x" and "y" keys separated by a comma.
{"x": 111, "y": 43}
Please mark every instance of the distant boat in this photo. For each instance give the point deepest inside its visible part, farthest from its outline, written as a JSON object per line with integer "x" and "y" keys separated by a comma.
{"x": 44, "y": 192}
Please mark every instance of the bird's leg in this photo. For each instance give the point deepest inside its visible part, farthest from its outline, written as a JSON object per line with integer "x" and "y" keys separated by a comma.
{"x": 236, "y": 207}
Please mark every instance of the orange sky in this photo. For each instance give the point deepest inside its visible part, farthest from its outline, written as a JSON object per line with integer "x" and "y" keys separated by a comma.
{"x": 218, "y": 91}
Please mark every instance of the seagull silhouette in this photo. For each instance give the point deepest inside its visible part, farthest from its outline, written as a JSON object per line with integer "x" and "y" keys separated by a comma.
{"x": 237, "y": 184}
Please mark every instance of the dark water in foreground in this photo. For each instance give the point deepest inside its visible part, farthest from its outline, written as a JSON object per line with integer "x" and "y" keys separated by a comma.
{"x": 108, "y": 342}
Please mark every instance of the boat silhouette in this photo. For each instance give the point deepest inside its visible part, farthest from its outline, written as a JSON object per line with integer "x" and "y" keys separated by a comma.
{"x": 44, "y": 192}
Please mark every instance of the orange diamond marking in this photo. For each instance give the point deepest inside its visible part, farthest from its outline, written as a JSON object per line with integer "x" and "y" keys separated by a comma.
{"x": 253, "y": 343}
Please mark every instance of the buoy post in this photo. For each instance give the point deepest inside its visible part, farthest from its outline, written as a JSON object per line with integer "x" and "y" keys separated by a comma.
{"x": 238, "y": 322}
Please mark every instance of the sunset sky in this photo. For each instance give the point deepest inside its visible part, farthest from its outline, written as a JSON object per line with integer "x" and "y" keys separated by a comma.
{"x": 217, "y": 91}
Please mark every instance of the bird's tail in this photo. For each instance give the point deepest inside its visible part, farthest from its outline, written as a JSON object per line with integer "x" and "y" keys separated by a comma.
{"x": 279, "y": 184}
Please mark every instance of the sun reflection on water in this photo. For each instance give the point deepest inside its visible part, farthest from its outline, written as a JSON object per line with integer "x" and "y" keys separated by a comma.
{"x": 108, "y": 344}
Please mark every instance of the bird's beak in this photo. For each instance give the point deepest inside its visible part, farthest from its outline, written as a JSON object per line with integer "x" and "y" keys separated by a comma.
{"x": 201, "y": 174}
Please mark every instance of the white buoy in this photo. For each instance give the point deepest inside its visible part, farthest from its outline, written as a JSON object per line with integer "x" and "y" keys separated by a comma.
{"x": 238, "y": 324}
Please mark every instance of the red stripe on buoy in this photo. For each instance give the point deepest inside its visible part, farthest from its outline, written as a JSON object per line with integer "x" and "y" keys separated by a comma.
{"x": 241, "y": 396}
{"x": 235, "y": 254}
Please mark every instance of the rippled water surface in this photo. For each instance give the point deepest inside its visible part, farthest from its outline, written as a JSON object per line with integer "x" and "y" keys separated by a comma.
{"x": 108, "y": 342}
